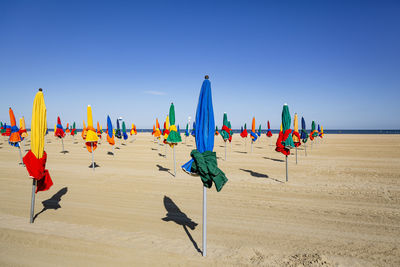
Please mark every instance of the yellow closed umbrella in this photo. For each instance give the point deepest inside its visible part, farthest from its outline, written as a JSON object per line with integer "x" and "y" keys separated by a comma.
{"x": 296, "y": 135}
{"x": 35, "y": 159}
{"x": 22, "y": 128}
{"x": 91, "y": 135}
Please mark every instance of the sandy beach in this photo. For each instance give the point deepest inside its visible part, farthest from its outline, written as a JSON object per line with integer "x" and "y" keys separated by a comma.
{"x": 341, "y": 206}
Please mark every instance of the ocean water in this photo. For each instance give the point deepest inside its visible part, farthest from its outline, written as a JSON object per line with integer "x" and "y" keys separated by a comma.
{"x": 333, "y": 131}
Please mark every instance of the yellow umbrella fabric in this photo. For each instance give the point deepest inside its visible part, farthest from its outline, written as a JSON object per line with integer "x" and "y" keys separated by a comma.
{"x": 22, "y": 128}
{"x": 295, "y": 137}
{"x": 91, "y": 136}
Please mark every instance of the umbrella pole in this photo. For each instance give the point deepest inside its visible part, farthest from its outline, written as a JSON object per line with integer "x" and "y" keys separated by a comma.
{"x": 91, "y": 145}
{"x": 112, "y": 147}
{"x": 204, "y": 221}
{"x": 62, "y": 141}
{"x": 33, "y": 200}
{"x": 296, "y": 155}
{"x": 165, "y": 145}
{"x": 251, "y": 146}
{"x": 174, "y": 162}
{"x": 287, "y": 178}
{"x": 20, "y": 155}
{"x": 305, "y": 149}
{"x": 225, "y": 150}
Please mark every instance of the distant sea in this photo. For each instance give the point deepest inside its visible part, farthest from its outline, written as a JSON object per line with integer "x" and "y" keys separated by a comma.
{"x": 333, "y": 131}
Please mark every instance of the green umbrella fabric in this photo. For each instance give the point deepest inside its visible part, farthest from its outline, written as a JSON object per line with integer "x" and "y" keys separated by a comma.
{"x": 173, "y": 137}
{"x": 286, "y": 120}
{"x": 225, "y": 128}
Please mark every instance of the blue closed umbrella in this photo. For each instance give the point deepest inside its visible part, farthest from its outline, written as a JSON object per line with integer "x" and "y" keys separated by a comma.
{"x": 109, "y": 127}
{"x": 118, "y": 131}
{"x": 203, "y": 157}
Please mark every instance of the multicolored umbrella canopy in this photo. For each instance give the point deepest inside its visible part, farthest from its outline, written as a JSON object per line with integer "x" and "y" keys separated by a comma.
{"x": 98, "y": 130}
{"x": 285, "y": 141}
{"x": 225, "y": 131}
{"x": 303, "y": 134}
{"x": 253, "y": 134}
{"x": 296, "y": 134}
{"x": 133, "y": 129}
{"x": 166, "y": 129}
{"x": 125, "y": 135}
{"x": 269, "y": 133}
{"x": 35, "y": 159}
{"x": 314, "y": 132}
{"x": 173, "y": 137}
{"x": 73, "y": 131}
{"x": 59, "y": 132}
{"x": 205, "y": 131}
{"x": 91, "y": 135}
{"x": 110, "y": 133}
{"x": 14, "y": 138}
{"x": 67, "y": 128}
{"x": 244, "y": 132}
{"x": 321, "y": 134}
{"x": 157, "y": 132}
{"x": 22, "y": 129}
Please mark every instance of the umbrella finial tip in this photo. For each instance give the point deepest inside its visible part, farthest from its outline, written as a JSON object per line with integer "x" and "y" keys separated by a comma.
{"x": 285, "y": 104}
{"x": 206, "y": 77}
{"x": 40, "y": 89}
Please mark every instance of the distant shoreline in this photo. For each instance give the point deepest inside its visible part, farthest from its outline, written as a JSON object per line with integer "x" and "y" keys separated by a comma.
{"x": 333, "y": 131}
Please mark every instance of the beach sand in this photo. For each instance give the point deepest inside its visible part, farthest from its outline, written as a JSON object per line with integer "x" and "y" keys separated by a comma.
{"x": 341, "y": 206}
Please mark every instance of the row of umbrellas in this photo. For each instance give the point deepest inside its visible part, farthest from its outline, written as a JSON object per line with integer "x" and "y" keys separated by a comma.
{"x": 203, "y": 160}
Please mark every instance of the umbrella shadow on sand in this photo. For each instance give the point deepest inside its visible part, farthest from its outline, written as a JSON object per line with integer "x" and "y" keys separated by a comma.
{"x": 278, "y": 160}
{"x": 260, "y": 175}
{"x": 52, "y": 203}
{"x": 163, "y": 169}
{"x": 176, "y": 215}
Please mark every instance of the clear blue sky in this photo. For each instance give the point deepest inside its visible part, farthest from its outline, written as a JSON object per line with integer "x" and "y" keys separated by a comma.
{"x": 335, "y": 62}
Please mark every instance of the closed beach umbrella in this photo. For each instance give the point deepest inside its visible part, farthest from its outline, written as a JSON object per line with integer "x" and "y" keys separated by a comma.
{"x": 187, "y": 130}
{"x": 35, "y": 159}
{"x": 253, "y": 134}
{"x": 59, "y": 131}
{"x": 22, "y": 129}
{"x": 118, "y": 131}
{"x": 173, "y": 137}
{"x": 303, "y": 134}
{"x": 322, "y": 132}
{"x": 204, "y": 160}
{"x": 84, "y": 131}
{"x": 244, "y": 132}
{"x": 14, "y": 138}
{"x": 269, "y": 133}
{"x": 285, "y": 140}
{"x": 296, "y": 134}
{"x": 98, "y": 130}
{"x": 67, "y": 128}
{"x": 216, "y": 130}
{"x": 110, "y": 132}
{"x": 225, "y": 131}
{"x": 73, "y": 130}
{"x": 124, "y": 134}
{"x": 259, "y": 131}
{"x": 91, "y": 136}
{"x": 313, "y": 132}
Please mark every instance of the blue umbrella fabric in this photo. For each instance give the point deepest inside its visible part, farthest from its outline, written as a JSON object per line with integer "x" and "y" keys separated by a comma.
{"x": 118, "y": 131}
{"x": 204, "y": 160}
{"x": 303, "y": 133}
{"x": 194, "y": 129}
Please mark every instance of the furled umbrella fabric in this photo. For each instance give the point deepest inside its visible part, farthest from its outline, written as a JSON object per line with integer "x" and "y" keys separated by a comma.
{"x": 35, "y": 159}
{"x": 166, "y": 129}
{"x": 194, "y": 129}
{"x": 225, "y": 131}
{"x": 303, "y": 134}
{"x": 216, "y": 130}
{"x": 84, "y": 130}
{"x": 22, "y": 129}
{"x": 269, "y": 133}
{"x": 157, "y": 132}
{"x": 73, "y": 130}
{"x": 154, "y": 130}
{"x": 173, "y": 136}
{"x": 204, "y": 160}
{"x": 110, "y": 132}
{"x": 91, "y": 136}
{"x": 244, "y": 133}
{"x": 296, "y": 134}
{"x": 2, "y": 128}
{"x": 118, "y": 131}
{"x": 253, "y": 134}
{"x": 59, "y": 132}
{"x": 187, "y": 130}
{"x": 124, "y": 134}
{"x": 321, "y": 134}
{"x": 313, "y": 132}
{"x": 319, "y": 130}
{"x": 259, "y": 131}
{"x": 14, "y": 138}
{"x": 67, "y": 129}
{"x": 285, "y": 141}
{"x": 98, "y": 130}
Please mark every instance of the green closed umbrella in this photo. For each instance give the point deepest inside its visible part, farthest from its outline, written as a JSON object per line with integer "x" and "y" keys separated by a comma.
{"x": 225, "y": 128}
{"x": 288, "y": 142}
{"x": 173, "y": 137}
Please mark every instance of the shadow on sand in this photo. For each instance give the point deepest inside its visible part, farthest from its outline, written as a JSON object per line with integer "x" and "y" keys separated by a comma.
{"x": 177, "y": 216}
{"x": 163, "y": 169}
{"x": 52, "y": 203}
{"x": 260, "y": 175}
{"x": 278, "y": 160}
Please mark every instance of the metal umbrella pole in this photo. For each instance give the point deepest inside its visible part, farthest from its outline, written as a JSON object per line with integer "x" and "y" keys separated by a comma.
{"x": 174, "y": 162}
{"x": 225, "y": 150}
{"x": 296, "y": 155}
{"x": 305, "y": 149}
{"x": 91, "y": 145}
{"x": 20, "y": 155}
{"x": 204, "y": 221}
{"x": 287, "y": 178}
{"x": 62, "y": 142}
{"x": 33, "y": 199}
